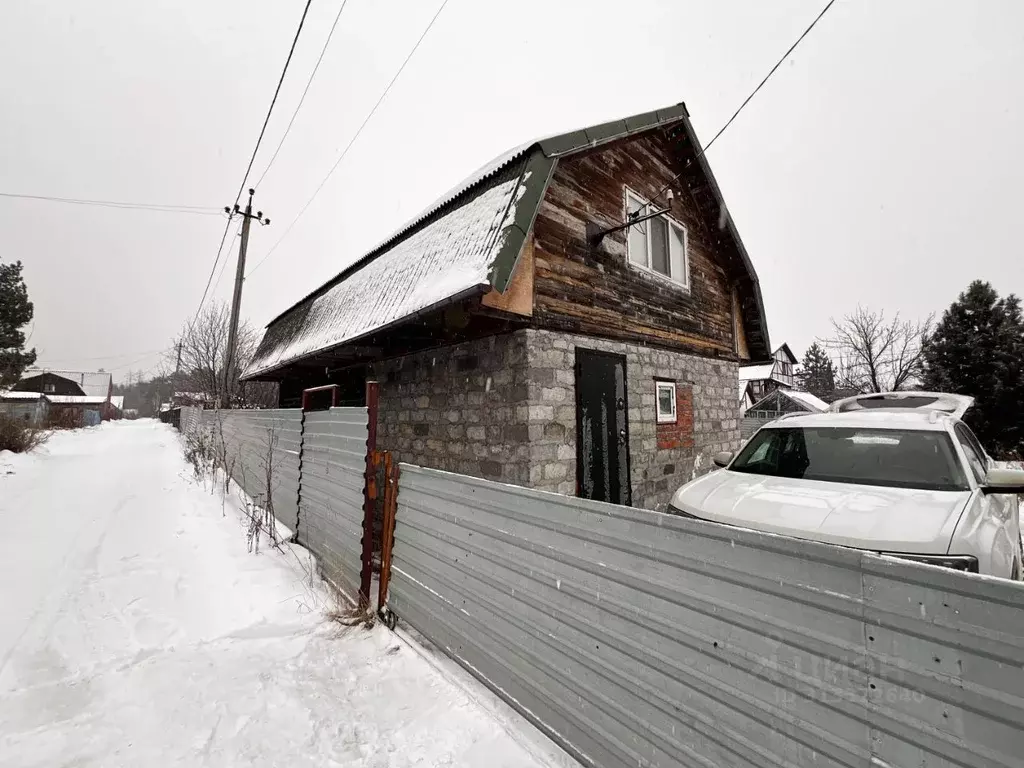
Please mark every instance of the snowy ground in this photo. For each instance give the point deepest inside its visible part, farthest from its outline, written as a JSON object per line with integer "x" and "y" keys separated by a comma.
{"x": 136, "y": 630}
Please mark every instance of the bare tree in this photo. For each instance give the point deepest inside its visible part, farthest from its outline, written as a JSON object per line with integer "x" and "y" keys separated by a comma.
{"x": 203, "y": 349}
{"x": 873, "y": 354}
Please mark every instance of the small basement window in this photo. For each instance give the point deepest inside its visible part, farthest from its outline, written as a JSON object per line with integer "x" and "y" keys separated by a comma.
{"x": 657, "y": 245}
{"x": 665, "y": 392}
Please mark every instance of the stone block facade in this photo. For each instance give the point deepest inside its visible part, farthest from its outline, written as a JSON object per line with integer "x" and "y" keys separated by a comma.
{"x": 504, "y": 408}
{"x": 461, "y": 408}
{"x": 662, "y": 457}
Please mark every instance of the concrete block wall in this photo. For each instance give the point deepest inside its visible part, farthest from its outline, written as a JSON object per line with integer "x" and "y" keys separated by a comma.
{"x": 658, "y": 465}
{"x": 504, "y": 408}
{"x": 461, "y": 408}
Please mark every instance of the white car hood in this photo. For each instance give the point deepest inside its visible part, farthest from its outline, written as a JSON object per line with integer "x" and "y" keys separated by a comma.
{"x": 862, "y": 516}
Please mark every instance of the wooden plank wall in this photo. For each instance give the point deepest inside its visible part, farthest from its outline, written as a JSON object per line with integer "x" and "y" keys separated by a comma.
{"x": 594, "y": 291}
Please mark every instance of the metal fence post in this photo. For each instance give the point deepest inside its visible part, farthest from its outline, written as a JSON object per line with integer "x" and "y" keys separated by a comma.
{"x": 369, "y": 493}
{"x": 387, "y": 538}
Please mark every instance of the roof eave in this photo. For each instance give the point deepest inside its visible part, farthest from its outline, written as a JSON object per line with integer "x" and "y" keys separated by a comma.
{"x": 470, "y": 293}
{"x": 741, "y": 248}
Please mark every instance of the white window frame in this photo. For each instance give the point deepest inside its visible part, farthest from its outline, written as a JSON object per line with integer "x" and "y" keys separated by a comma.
{"x": 665, "y": 418}
{"x": 680, "y": 281}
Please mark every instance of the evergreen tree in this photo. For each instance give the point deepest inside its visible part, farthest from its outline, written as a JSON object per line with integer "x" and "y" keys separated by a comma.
{"x": 15, "y": 312}
{"x": 978, "y": 349}
{"x": 818, "y": 375}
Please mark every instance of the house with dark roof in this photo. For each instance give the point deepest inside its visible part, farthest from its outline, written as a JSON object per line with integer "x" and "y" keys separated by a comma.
{"x": 81, "y": 396}
{"x": 571, "y": 317}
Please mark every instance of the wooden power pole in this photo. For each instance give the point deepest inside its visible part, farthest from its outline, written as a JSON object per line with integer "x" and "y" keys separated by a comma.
{"x": 236, "y": 300}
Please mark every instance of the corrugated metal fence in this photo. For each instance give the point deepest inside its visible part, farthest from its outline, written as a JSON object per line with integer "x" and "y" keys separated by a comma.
{"x": 332, "y": 492}
{"x": 635, "y": 638}
{"x": 312, "y": 467}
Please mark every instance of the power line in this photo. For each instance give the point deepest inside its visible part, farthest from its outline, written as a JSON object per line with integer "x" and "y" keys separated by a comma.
{"x": 309, "y": 82}
{"x": 273, "y": 101}
{"x": 351, "y": 141}
{"x": 100, "y": 357}
{"x": 224, "y": 265}
{"x": 248, "y": 170}
{"x": 220, "y": 249}
{"x": 140, "y": 359}
{"x": 193, "y": 209}
{"x": 745, "y": 101}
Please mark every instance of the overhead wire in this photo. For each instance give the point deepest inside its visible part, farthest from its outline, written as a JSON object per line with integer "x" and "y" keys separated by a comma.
{"x": 252, "y": 159}
{"x": 744, "y": 104}
{"x": 191, "y": 209}
{"x": 224, "y": 266}
{"x": 273, "y": 101}
{"x": 220, "y": 249}
{"x": 305, "y": 90}
{"x": 352, "y": 141}
{"x": 140, "y": 359}
{"x": 52, "y": 363}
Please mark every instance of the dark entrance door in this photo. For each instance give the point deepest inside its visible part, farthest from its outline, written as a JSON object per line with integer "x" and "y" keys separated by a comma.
{"x": 602, "y": 431}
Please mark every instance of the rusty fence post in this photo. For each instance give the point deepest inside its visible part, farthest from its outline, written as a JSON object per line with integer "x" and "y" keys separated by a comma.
{"x": 387, "y": 539}
{"x": 369, "y": 493}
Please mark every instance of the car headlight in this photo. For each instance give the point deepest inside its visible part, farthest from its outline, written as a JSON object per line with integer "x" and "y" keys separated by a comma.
{"x": 964, "y": 563}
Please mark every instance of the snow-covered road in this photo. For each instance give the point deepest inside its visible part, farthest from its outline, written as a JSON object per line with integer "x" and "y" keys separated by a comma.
{"x": 136, "y": 630}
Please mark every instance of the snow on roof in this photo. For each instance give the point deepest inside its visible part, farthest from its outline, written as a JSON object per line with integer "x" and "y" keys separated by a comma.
{"x": 466, "y": 241}
{"x": 449, "y": 256}
{"x": 77, "y": 399}
{"x": 21, "y": 395}
{"x": 807, "y": 399}
{"x": 117, "y": 401}
{"x": 92, "y": 383}
{"x": 756, "y": 372}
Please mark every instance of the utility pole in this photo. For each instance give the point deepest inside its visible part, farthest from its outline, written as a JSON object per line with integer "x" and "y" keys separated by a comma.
{"x": 236, "y": 301}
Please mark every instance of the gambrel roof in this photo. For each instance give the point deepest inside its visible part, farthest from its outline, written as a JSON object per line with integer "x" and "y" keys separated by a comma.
{"x": 465, "y": 243}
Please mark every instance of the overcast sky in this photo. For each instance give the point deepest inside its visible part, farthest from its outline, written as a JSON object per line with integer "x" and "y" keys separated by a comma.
{"x": 881, "y": 165}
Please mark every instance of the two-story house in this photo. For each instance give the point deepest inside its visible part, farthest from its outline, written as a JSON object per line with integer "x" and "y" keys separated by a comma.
{"x": 758, "y": 381}
{"x": 571, "y": 317}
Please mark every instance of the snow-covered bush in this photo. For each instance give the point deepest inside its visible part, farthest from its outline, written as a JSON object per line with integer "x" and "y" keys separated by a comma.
{"x": 19, "y": 436}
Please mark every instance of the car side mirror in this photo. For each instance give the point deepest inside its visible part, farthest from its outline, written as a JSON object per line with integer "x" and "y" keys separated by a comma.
{"x": 722, "y": 459}
{"x": 1003, "y": 481}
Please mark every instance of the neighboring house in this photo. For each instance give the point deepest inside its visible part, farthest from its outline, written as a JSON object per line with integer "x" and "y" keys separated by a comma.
{"x": 83, "y": 410}
{"x": 200, "y": 399}
{"x": 779, "y": 403}
{"x": 512, "y": 341}
{"x": 757, "y": 381}
{"x": 78, "y": 390}
{"x": 32, "y": 407}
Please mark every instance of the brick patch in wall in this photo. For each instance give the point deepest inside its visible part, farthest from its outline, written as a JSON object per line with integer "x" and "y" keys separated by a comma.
{"x": 678, "y": 435}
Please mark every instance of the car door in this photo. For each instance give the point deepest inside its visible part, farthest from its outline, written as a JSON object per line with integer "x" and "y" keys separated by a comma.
{"x": 996, "y": 513}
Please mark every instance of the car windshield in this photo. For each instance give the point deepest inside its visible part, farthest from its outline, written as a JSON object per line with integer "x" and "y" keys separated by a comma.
{"x": 888, "y": 457}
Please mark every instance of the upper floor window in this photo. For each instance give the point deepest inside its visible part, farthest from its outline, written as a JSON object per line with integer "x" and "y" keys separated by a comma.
{"x": 658, "y": 244}
{"x": 49, "y": 388}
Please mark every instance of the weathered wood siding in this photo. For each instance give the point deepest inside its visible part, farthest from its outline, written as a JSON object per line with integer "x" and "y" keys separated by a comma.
{"x": 595, "y": 291}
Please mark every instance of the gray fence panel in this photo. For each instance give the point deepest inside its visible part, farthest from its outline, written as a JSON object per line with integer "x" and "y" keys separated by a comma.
{"x": 189, "y": 420}
{"x": 641, "y": 639}
{"x": 331, "y": 504}
{"x": 261, "y": 450}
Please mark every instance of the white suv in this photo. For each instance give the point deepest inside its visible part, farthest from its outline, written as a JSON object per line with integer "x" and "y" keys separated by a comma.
{"x": 898, "y": 474}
